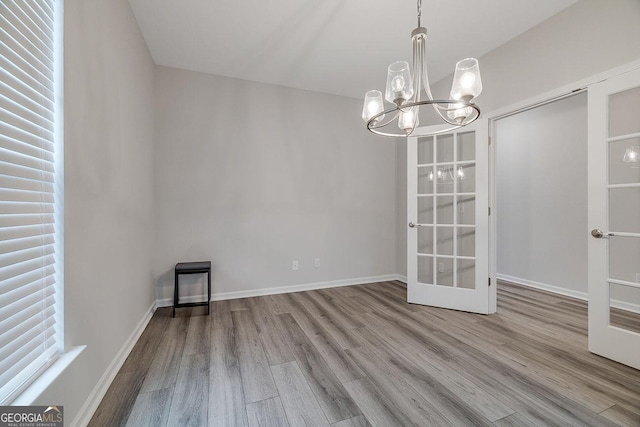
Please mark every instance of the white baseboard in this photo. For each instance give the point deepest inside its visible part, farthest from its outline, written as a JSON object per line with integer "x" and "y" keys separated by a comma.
{"x": 168, "y": 302}
{"x": 97, "y": 394}
{"x": 544, "y": 286}
{"x": 623, "y": 305}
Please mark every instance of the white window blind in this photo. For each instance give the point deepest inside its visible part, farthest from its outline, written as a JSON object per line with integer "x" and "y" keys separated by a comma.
{"x": 27, "y": 196}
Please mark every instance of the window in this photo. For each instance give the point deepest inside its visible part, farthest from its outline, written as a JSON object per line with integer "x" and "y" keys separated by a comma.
{"x": 29, "y": 147}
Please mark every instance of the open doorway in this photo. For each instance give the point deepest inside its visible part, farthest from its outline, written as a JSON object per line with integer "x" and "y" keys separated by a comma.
{"x": 541, "y": 196}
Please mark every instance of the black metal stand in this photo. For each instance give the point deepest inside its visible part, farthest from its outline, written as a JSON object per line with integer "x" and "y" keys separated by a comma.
{"x": 192, "y": 268}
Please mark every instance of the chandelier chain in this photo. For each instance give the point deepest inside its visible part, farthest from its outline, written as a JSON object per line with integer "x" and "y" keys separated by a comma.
{"x": 419, "y": 11}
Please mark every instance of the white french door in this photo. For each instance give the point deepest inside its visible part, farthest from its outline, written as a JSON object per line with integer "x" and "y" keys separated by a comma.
{"x": 614, "y": 218}
{"x": 448, "y": 219}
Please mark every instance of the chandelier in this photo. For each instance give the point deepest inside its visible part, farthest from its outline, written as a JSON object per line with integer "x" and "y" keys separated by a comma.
{"x": 408, "y": 90}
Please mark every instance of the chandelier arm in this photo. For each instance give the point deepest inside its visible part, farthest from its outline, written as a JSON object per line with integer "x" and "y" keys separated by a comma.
{"x": 427, "y": 88}
{"x": 420, "y": 47}
{"x": 420, "y": 63}
{"x": 417, "y": 60}
{"x": 381, "y": 125}
{"x": 375, "y": 128}
{"x": 425, "y": 75}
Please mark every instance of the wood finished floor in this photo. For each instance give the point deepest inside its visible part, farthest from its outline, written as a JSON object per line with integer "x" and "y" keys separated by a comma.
{"x": 360, "y": 356}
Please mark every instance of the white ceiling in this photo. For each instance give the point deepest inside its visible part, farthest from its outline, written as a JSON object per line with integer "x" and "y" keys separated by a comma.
{"x": 333, "y": 46}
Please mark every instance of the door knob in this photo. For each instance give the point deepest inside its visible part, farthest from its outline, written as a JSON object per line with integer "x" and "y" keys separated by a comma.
{"x": 598, "y": 234}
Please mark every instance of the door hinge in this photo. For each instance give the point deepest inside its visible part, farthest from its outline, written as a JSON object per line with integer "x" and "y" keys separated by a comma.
{"x": 489, "y": 140}
{"x": 489, "y": 281}
{"x": 489, "y": 210}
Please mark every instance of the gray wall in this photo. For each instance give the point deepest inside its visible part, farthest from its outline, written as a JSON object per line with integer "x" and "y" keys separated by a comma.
{"x": 541, "y": 175}
{"x": 252, "y": 176}
{"x": 587, "y": 38}
{"x": 108, "y": 190}
{"x": 590, "y": 37}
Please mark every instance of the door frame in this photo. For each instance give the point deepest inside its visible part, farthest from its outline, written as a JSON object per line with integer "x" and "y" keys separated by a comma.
{"x": 518, "y": 107}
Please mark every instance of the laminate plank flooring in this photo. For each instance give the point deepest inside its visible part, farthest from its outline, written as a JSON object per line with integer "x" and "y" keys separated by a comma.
{"x": 329, "y": 391}
{"x": 221, "y": 315}
{"x": 191, "y": 392}
{"x": 362, "y": 356}
{"x": 359, "y": 421}
{"x": 151, "y": 409}
{"x": 257, "y": 380}
{"x": 267, "y": 413}
{"x": 398, "y": 391}
{"x": 119, "y": 399}
{"x": 198, "y": 335}
{"x": 163, "y": 370}
{"x": 226, "y": 395}
{"x": 299, "y": 403}
{"x": 275, "y": 348}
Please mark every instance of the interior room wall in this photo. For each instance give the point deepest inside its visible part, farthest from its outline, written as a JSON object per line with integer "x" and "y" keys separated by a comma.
{"x": 587, "y": 38}
{"x": 541, "y": 175}
{"x": 254, "y": 176}
{"x": 108, "y": 102}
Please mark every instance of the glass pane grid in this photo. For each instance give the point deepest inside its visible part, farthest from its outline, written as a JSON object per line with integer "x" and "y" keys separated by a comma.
{"x": 446, "y": 252}
{"x": 623, "y": 205}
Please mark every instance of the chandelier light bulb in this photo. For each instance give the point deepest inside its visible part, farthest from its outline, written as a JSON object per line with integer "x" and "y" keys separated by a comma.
{"x": 459, "y": 113}
{"x": 399, "y": 83}
{"x": 467, "y": 80}
{"x": 372, "y": 105}
{"x": 467, "y": 83}
{"x": 408, "y": 120}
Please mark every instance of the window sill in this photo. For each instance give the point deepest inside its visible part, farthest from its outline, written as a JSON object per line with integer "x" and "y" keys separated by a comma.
{"x": 47, "y": 378}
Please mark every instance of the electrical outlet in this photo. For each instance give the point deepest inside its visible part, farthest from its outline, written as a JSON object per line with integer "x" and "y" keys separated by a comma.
{"x": 441, "y": 267}
{"x": 294, "y": 265}
{"x": 316, "y": 263}
{"x": 637, "y": 277}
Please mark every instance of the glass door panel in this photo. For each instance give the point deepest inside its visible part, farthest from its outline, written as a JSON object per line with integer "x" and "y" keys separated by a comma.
{"x": 621, "y": 171}
{"x": 425, "y": 269}
{"x": 614, "y": 206}
{"x": 622, "y": 303}
{"x": 446, "y": 268}
{"x": 624, "y": 210}
{"x": 623, "y": 112}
